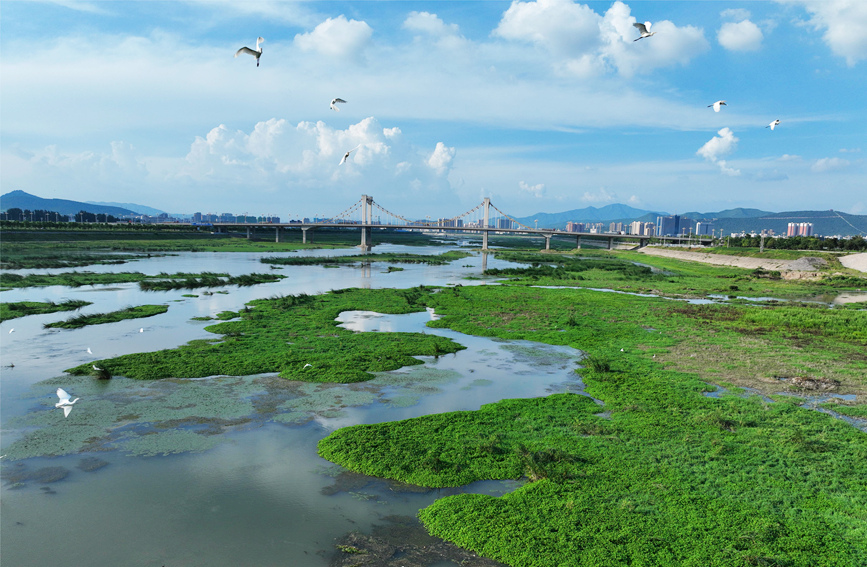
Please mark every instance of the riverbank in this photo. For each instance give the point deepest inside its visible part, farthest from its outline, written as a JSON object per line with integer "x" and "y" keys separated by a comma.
{"x": 852, "y": 261}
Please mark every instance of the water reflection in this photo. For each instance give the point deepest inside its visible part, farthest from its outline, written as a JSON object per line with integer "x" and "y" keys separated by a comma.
{"x": 230, "y": 487}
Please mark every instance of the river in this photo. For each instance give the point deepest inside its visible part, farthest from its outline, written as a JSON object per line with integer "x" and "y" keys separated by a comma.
{"x": 223, "y": 470}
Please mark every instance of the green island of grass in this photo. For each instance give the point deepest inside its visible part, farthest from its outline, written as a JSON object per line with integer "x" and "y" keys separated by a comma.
{"x": 160, "y": 282}
{"x": 23, "y": 308}
{"x": 137, "y": 312}
{"x": 295, "y": 336}
{"x": 390, "y": 257}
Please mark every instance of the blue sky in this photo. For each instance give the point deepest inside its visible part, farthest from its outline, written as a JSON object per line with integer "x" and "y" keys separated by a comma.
{"x": 542, "y": 106}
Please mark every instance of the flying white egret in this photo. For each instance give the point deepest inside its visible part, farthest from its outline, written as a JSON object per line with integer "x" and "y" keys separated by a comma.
{"x": 257, "y": 53}
{"x": 346, "y": 155}
{"x": 141, "y": 330}
{"x": 64, "y": 402}
{"x": 308, "y": 364}
{"x": 11, "y": 331}
{"x": 716, "y": 106}
{"x": 89, "y": 351}
{"x": 644, "y": 29}
{"x": 773, "y": 124}
{"x": 334, "y": 104}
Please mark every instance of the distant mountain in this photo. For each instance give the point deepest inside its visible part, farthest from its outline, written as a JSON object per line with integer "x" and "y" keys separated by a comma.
{"x": 608, "y": 213}
{"x": 140, "y": 209}
{"x": 825, "y": 223}
{"x": 20, "y": 199}
{"x": 738, "y": 213}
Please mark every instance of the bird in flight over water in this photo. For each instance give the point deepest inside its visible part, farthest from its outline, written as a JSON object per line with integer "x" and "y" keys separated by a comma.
{"x": 257, "y": 53}
{"x": 64, "y": 402}
{"x": 773, "y": 124}
{"x": 334, "y": 104}
{"x": 716, "y": 106}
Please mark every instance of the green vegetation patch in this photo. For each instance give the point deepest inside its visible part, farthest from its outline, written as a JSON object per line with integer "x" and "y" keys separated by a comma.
{"x": 297, "y": 337}
{"x": 24, "y": 308}
{"x": 137, "y": 312}
{"x": 390, "y": 257}
{"x": 666, "y": 475}
{"x": 160, "y": 282}
{"x": 642, "y": 273}
{"x": 750, "y": 481}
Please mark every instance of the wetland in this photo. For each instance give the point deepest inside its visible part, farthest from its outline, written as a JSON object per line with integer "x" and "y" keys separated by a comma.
{"x": 357, "y": 412}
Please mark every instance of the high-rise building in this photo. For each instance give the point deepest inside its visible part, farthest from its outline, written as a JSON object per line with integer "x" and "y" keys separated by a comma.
{"x": 636, "y": 227}
{"x": 805, "y": 229}
{"x": 575, "y": 227}
{"x": 505, "y": 223}
{"x": 668, "y": 226}
{"x": 703, "y": 228}
{"x": 792, "y": 229}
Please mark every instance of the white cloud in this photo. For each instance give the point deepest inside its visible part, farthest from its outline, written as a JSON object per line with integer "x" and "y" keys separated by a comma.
{"x": 740, "y": 36}
{"x": 850, "y": 150}
{"x": 441, "y": 158}
{"x": 431, "y": 24}
{"x": 843, "y": 23}
{"x": 337, "y": 37}
{"x": 601, "y": 196}
{"x": 735, "y": 14}
{"x": 585, "y": 43}
{"x": 537, "y": 190}
{"x": 829, "y": 164}
{"x": 719, "y": 146}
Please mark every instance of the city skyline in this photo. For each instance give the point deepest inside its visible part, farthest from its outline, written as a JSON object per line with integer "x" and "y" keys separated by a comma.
{"x": 542, "y": 106}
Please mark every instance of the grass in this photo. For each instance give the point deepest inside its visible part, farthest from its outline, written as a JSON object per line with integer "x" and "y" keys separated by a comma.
{"x": 160, "y": 282}
{"x": 136, "y": 312}
{"x": 390, "y": 257}
{"x": 663, "y": 276}
{"x": 673, "y": 477}
{"x": 23, "y": 308}
{"x": 286, "y": 334}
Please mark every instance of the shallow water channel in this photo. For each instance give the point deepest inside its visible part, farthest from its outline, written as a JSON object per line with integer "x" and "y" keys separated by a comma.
{"x": 223, "y": 470}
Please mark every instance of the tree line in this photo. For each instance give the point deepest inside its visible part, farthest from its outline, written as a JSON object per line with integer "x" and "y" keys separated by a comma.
{"x": 855, "y": 243}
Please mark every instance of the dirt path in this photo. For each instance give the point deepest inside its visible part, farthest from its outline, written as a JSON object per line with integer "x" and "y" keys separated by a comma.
{"x": 719, "y": 259}
{"x": 853, "y": 261}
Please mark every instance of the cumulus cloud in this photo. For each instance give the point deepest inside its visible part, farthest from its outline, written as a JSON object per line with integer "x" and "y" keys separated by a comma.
{"x": 829, "y": 164}
{"x": 337, "y": 37}
{"x": 719, "y": 146}
{"x": 537, "y": 190}
{"x": 441, "y": 158}
{"x": 583, "y": 42}
{"x": 843, "y": 23}
{"x": 740, "y": 36}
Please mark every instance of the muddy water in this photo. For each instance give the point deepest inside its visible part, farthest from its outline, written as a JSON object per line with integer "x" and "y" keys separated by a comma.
{"x": 221, "y": 471}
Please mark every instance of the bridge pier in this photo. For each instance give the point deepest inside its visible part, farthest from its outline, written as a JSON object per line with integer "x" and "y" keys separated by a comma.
{"x": 642, "y": 242}
{"x": 487, "y": 222}
{"x": 547, "y": 241}
{"x": 279, "y": 236}
{"x": 578, "y": 242}
{"x": 611, "y": 243}
{"x": 249, "y": 233}
{"x": 304, "y": 235}
{"x": 366, "y": 239}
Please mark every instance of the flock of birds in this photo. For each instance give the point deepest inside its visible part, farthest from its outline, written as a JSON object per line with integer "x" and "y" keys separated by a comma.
{"x": 644, "y": 30}
{"x": 257, "y": 53}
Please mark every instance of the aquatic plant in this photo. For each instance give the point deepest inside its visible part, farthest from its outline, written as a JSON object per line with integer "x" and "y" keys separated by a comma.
{"x": 136, "y": 312}
{"x": 23, "y": 308}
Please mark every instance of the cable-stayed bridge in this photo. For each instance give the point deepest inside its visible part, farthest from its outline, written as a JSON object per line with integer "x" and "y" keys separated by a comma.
{"x": 485, "y": 218}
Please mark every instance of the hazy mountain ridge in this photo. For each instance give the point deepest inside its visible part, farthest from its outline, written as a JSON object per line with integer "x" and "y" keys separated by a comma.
{"x": 22, "y": 200}
{"x": 140, "y": 209}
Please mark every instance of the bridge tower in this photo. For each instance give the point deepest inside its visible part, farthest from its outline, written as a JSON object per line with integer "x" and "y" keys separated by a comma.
{"x": 366, "y": 221}
{"x": 487, "y": 222}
